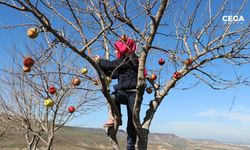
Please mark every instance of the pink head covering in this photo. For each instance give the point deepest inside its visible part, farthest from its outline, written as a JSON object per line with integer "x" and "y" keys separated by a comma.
{"x": 124, "y": 47}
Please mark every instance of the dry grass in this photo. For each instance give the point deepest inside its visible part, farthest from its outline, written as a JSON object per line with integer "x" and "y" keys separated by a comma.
{"x": 69, "y": 138}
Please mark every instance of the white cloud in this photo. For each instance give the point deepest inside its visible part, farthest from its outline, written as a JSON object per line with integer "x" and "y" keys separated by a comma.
{"x": 215, "y": 124}
{"x": 210, "y": 130}
{"x": 239, "y": 114}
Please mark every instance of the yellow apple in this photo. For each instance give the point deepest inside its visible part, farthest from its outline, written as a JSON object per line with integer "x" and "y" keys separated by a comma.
{"x": 84, "y": 71}
{"x": 49, "y": 102}
{"x": 32, "y": 33}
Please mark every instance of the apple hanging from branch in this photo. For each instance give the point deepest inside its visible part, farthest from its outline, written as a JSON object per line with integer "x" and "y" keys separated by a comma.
{"x": 149, "y": 90}
{"x": 76, "y": 81}
{"x": 71, "y": 109}
{"x": 188, "y": 62}
{"x": 28, "y": 62}
{"x": 32, "y": 33}
{"x": 177, "y": 75}
{"x": 49, "y": 102}
{"x": 153, "y": 77}
{"x": 161, "y": 61}
{"x": 52, "y": 90}
{"x": 84, "y": 71}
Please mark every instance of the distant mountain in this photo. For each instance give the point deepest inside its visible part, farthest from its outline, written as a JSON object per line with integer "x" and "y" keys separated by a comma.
{"x": 75, "y": 138}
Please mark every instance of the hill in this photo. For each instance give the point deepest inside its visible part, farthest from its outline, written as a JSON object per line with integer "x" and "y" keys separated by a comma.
{"x": 74, "y": 138}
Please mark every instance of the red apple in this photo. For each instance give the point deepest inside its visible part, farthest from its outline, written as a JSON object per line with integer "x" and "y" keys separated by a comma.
{"x": 149, "y": 90}
{"x": 153, "y": 77}
{"x": 28, "y": 62}
{"x": 177, "y": 75}
{"x": 71, "y": 109}
{"x": 76, "y": 81}
{"x": 161, "y": 61}
{"x": 52, "y": 90}
{"x": 26, "y": 69}
{"x": 188, "y": 61}
{"x": 32, "y": 33}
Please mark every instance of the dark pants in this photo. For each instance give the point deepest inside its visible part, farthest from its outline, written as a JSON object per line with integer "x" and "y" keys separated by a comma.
{"x": 127, "y": 98}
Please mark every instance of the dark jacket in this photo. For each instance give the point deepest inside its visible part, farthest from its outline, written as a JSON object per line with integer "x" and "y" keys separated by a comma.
{"x": 124, "y": 69}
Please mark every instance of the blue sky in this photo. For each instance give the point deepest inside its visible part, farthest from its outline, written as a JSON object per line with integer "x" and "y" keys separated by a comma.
{"x": 196, "y": 113}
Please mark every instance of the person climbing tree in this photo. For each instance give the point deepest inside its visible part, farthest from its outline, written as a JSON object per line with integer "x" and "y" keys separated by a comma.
{"x": 125, "y": 69}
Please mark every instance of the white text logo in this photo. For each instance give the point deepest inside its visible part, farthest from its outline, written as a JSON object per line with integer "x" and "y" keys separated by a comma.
{"x": 233, "y": 18}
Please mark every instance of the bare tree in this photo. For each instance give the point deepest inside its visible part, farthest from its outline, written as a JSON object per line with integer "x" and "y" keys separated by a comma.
{"x": 6, "y": 128}
{"x": 24, "y": 95}
{"x": 197, "y": 30}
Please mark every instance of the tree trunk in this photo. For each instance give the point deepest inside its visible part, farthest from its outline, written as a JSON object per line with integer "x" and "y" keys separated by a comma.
{"x": 111, "y": 133}
{"x": 35, "y": 143}
{"x": 50, "y": 143}
{"x": 142, "y": 143}
{"x": 32, "y": 145}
